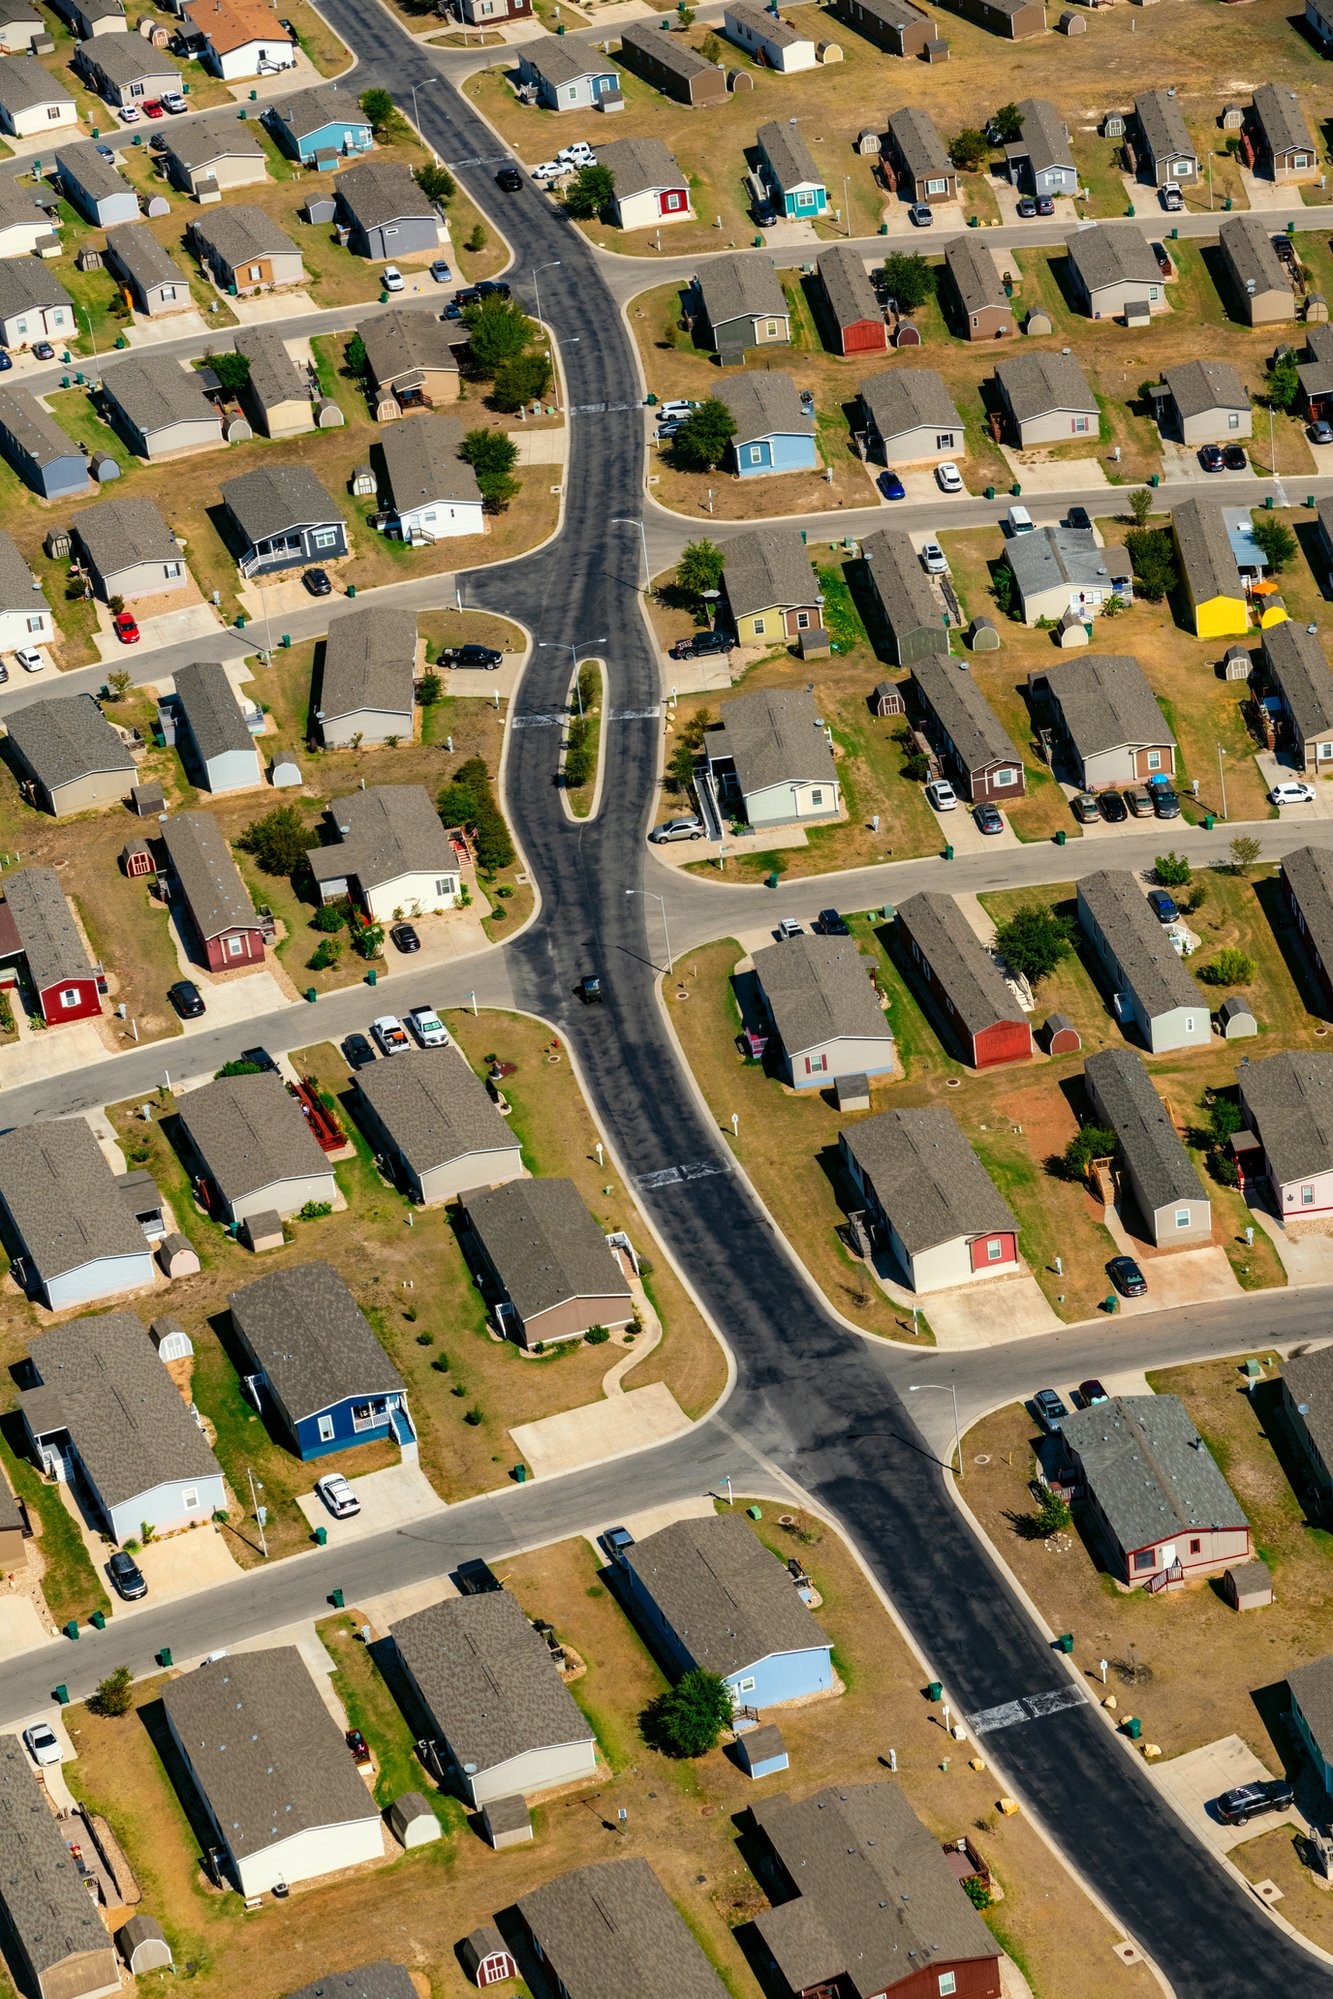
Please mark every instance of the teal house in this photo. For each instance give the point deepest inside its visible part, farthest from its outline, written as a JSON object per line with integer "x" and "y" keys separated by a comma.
{"x": 793, "y": 180}
{"x": 319, "y": 127}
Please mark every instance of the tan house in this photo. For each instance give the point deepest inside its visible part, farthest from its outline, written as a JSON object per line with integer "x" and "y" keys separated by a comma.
{"x": 69, "y": 754}
{"x": 432, "y": 1119}
{"x": 277, "y": 395}
{"x": 206, "y": 156}
{"x": 1280, "y": 135}
{"x": 411, "y": 362}
{"x": 928, "y": 1201}
{"x": 243, "y": 250}
{"x": 1153, "y": 1493}
{"x": 1047, "y": 399}
{"x": 1263, "y": 293}
{"x": 55, "y": 1940}
{"x": 546, "y": 1268}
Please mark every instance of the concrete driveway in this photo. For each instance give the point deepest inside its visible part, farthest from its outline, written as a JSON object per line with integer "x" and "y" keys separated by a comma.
{"x": 1307, "y": 1259}
{"x": 988, "y": 1313}
{"x": 586, "y": 1436}
{"x": 1052, "y": 475}
{"x": 390, "y": 1498}
{"x": 1194, "y": 1781}
{"x": 1275, "y": 770}
{"x": 180, "y": 1565}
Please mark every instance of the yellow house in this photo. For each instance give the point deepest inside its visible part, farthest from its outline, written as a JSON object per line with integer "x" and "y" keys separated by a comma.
{"x": 1219, "y": 608}
{"x": 770, "y": 586}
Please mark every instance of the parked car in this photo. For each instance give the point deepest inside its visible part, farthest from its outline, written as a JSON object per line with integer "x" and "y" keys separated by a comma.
{"x": 686, "y": 827}
{"x": 43, "y": 1743}
{"x": 1211, "y": 459}
{"x": 107, "y": 154}
{"x": 1126, "y": 1276}
{"x": 1085, "y": 808}
{"x": 405, "y": 939}
{"x": 1078, "y": 517}
{"x": 392, "y": 279}
{"x": 941, "y": 795}
{"x": 453, "y": 308}
{"x": 187, "y": 999}
{"x": 129, "y": 114}
{"x": 126, "y": 628}
{"x": 476, "y": 1578}
{"x": 590, "y": 990}
{"x": 829, "y": 924}
{"x": 1163, "y": 906}
{"x": 1321, "y": 431}
{"x": 6, "y": 359}
{"x": 441, "y": 272}
{"x": 788, "y": 927}
{"x": 1172, "y": 199}
{"x": 126, "y": 1576}
{"x": 988, "y": 818}
{"x": 337, "y": 1495}
{"x": 1236, "y": 461}
{"x": 1249, "y": 1801}
{"x": 357, "y": 1052}
{"x": 1292, "y": 792}
{"x": 699, "y": 644}
{"x": 509, "y": 180}
{"x": 675, "y": 407}
{"x": 578, "y": 154}
{"x": 1139, "y": 803}
{"x": 154, "y": 108}
{"x": 1164, "y": 802}
{"x": 492, "y": 288}
{"x": 4, "y": 673}
{"x": 1285, "y": 248}
{"x": 484, "y": 659}
{"x": 1051, "y": 1411}
{"x": 549, "y": 170}
{"x": 317, "y": 582}
{"x": 388, "y": 1030}
{"x": 173, "y": 102}
{"x": 933, "y": 559}
{"x": 1045, "y": 205}
{"x": 1112, "y": 808}
{"x": 1027, "y": 207}
{"x": 429, "y": 1029}
{"x": 1090, "y": 1393}
{"x": 29, "y": 659}
{"x": 1163, "y": 260}
{"x": 42, "y": 350}
{"x": 948, "y": 478}
{"x": 891, "y": 486}
{"x": 921, "y": 215}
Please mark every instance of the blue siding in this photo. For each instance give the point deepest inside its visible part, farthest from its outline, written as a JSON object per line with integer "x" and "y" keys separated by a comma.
{"x": 309, "y": 1443}
{"x": 336, "y": 137}
{"x": 782, "y": 1676}
{"x": 778, "y": 452}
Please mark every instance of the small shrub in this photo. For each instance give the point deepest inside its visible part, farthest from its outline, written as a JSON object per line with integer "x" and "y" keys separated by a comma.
{"x": 1172, "y": 870}
{"x": 114, "y": 1695}
{"x": 596, "y": 1336}
{"x": 978, "y": 1894}
{"x": 325, "y": 954}
{"x": 330, "y": 916}
{"x": 458, "y": 1389}
{"x": 1229, "y": 968}
{"x": 425, "y": 1339}
{"x": 476, "y": 239}
{"x": 1052, "y": 1515}
{"x": 473, "y": 1415}
{"x": 314, "y": 1211}
{"x": 1197, "y": 896}
{"x": 916, "y": 767}
{"x": 1093, "y": 1142}
{"x": 441, "y": 1363}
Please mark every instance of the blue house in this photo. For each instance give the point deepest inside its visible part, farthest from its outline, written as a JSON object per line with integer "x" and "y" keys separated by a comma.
{"x": 775, "y": 430}
{"x": 319, "y": 127}
{"x": 794, "y": 183}
{"x": 569, "y": 75}
{"x": 315, "y": 1367}
{"x": 708, "y": 1593}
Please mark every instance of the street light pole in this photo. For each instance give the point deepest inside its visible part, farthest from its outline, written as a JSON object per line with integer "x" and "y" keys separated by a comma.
{"x": 945, "y": 1388}
{"x": 619, "y": 521}
{"x": 583, "y": 648}
{"x": 88, "y": 321}
{"x": 554, "y": 265}
{"x": 1222, "y": 779}
{"x": 259, "y": 1511}
{"x": 661, "y": 901}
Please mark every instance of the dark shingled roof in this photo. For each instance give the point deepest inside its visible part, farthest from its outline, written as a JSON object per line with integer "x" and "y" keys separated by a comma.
{"x": 1308, "y": 872}
{"x": 903, "y": 399}
{"x": 81, "y": 160}
{"x": 312, "y": 1339}
{"x": 729, "y": 1600}
{"x": 369, "y": 662}
{"x": 966, "y": 717}
{"x": 138, "y": 252}
{"x": 789, "y": 158}
{"x": 421, "y": 462}
{"x": 1288, "y": 1101}
{"x": 25, "y": 83}
{"x": 381, "y": 1980}
{"x": 1206, "y": 554}
{"x": 378, "y": 191}
{"x": 740, "y": 288}
{"x": 273, "y": 498}
{"x": 209, "y": 878}
{"x": 1126, "y": 1096}
{"x": 34, "y": 430}
{"x": 400, "y": 343}
{"x": 1105, "y": 703}
{"x": 1281, "y": 121}
{"x": 818, "y": 990}
{"x": 1149, "y": 1470}
{"x": 1036, "y": 385}
{"x": 264, "y": 1749}
{"x": 250, "y": 1133}
{"x": 1198, "y": 386}
{"x": 41, "y": 1890}
{"x": 766, "y": 568}
{"x": 26, "y": 282}
{"x": 197, "y": 142}
{"x": 211, "y": 710}
{"x": 1247, "y": 243}
{"x": 63, "y": 1197}
{"x": 1309, "y": 1383}
{"x": 488, "y": 1679}
{"x": 875, "y": 1897}
{"x": 902, "y": 586}
{"x": 1044, "y": 143}
{"x": 975, "y": 275}
{"x": 610, "y": 1931}
{"x": 66, "y": 738}
{"x": 561, "y": 61}
{"x": 1162, "y": 125}
{"x": 384, "y": 832}
{"x": 1058, "y": 554}
{"x": 764, "y": 405}
{"x": 1312, "y": 1688}
{"x": 238, "y": 231}
{"x": 119, "y": 533}
{"x": 847, "y": 286}
{"x": 545, "y": 1245}
{"x": 772, "y": 737}
{"x": 929, "y": 1181}
{"x": 670, "y": 51}
{"x": 641, "y": 165}
{"x": 306, "y": 112}
{"x": 274, "y": 376}
{"x": 913, "y": 132}
{"x": 1141, "y": 946}
{"x": 1112, "y": 253}
{"x": 126, "y": 59}
{"x": 960, "y": 961}
{"x": 1300, "y": 672}
{"x": 50, "y": 937}
{"x": 434, "y": 1108}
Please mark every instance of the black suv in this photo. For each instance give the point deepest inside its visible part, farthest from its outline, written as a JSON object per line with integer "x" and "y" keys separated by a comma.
{"x": 486, "y": 658}
{"x": 1249, "y": 1801}
{"x": 700, "y": 643}
{"x": 476, "y": 1578}
{"x": 126, "y": 1576}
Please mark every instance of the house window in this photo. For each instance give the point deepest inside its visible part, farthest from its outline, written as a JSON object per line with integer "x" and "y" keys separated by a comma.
{"x": 1080, "y": 424}
{"x": 171, "y": 569}
{"x": 758, "y": 627}
{"x": 1189, "y": 1023}
{"x": 70, "y": 996}
{"x": 804, "y": 198}
{"x": 1008, "y": 775}
{"x": 1233, "y": 421}
{"x": 745, "y": 1686}
{"x": 937, "y": 187}
{"x": 1146, "y": 1558}
{"x": 944, "y": 442}
{"x": 994, "y": 1250}
{"x": 235, "y": 946}
{"x": 948, "y": 1982}
{"x": 1324, "y": 751}
{"x": 1182, "y": 1218}
{"x": 1154, "y": 291}
{"x": 1196, "y": 1547}
{"x": 35, "y": 624}
{"x": 673, "y": 202}
{"x": 168, "y": 293}
{"x": 1307, "y": 1197}
{"x": 255, "y": 273}
{"x": 572, "y": 93}
{"x": 771, "y": 330}
{"x": 444, "y": 886}
{"x": 368, "y": 1415}
{"x": 1300, "y": 160}
{"x": 802, "y": 621}
{"x": 756, "y": 452}
{"x": 190, "y": 1499}
{"x": 53, "y": 111}
{"x": 1154, "y": 759}
{"x": 136, "y": 90}
{"x": 816, "y": 796}
{"x": 816, "y": 1065}
{"x": 324, "y": 538}
{"x": 326, "y": 1429}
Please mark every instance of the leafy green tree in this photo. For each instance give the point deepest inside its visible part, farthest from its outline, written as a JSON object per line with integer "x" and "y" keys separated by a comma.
{"x": 1007, "y": 124}
{"x": 1283, "y": 381}
{"x": 326, "y": 954}
{"x": 704, "y": 438}
{"x": 1152, "y": 556}
{"x": 239, "y": 1066}
{"x": 232, "y": 370}
{"x": 498, "y": 330}
{"x": 436, "y": 182}
{"x": 699, "y": 569}
{"x": 1172, "y": 870}
{"x": 590, "y": 192}
{"x": 1277, "y": 541}
{"x": 1052, "y": 1514}
{"x": 468, "y": 800}
{"x": 379, "y": 107}
{"x": 711, "y": 48}
{"x": 279, "y": 841}
{"x": 115, "y": 1694}
{"x": 477, "y": 238}
{"x": 1231, "y": 967}
{"x": 330, "y": 916}
{"x": 429, "y": 689}
{"x": 1034, "y": 940}
{"x": 1004, "y": 589}
{"x": 492, "y": 454}
{"x": 119, "y": 683}
{"x": 681, "y": 768}
{"x": 1140, "y": 505}
{"x": 688, "y": 1718}
{"x": 970, "y": 151}
{"x": 1095, "y": 1141}
{"x": 1244, "y": 852}
{"x": 909, "y": 279}
{"x": 355, "y": 356}
{"x": 524, "y": 379}
{"x": 578, "y": 753}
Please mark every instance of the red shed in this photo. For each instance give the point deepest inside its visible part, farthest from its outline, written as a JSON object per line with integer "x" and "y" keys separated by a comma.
{"x": 855, "y": 321}
{"x": 48, "y": 939}
{"x": 209, "y": 884}
{"x": 1060, "y": 1036}
{"x": 980, "y": 1009}
{"x": 486, "y": 1956}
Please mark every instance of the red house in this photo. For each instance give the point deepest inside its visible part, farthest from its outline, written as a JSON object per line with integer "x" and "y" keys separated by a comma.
{"x": 37, "y": 928}
{"x": 980, "y": 1010}
{"x": 216, "y": 900}
{"x": 650, "y": 187}
{"x": 855, "y": 322}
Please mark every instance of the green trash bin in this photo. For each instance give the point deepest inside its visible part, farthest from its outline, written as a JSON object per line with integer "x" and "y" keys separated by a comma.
{"x": 286, "y": 641}
{"x": 60, "y": 1695}
{"x": 1110, "y": 1304}
{"x": 99, "y": 1620}
{"x": 351, "y": 589}
{"x": 771, "y": 881}
{"x": 935, "y": 1691}
{"x": 372, "y": 977}
{"x": 1154, "y": 478}
{"x": 1268, "y": 502}
{"x": 755, "y": 1512}
{"x": 883, "y": 228}
{"x": 520, "y": 1474}
{"x": 1133, "y": 1726}
{"x": 1208, "y": 822}
{"x": 1060, "y": 836}
{"x": 948, "y": 853}
{"x": 1065, "y": 1642}
{"x": 72, "y": 1629}
{"x": 321, "y": 1537}
{"x": 336, "y": 1599}
{"x": 990, "y": 492}
{"x": 311, "y": 994}
{"x": 1016, "y": 490}
{"x": 164, "y": 1657}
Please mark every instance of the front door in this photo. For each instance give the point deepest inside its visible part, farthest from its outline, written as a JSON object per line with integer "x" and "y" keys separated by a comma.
{"x": 1169, "y": 1555}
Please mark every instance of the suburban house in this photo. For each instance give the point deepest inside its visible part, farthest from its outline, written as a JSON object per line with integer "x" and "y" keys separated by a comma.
{"x": 86, "y": 18}
{"x": 211, "y": 896}
{"x": 33, "y": 101}
{"x": 547, "y": 1269}
{"x": 1047, "y": 399}
{"x": 160, "y": 408}
{"x": 1062, "y": 572}
{"x": 763, "y": 34}
{"x": 1204, "y": 402}
{"x": 100, "y": 1406}
{"x": 205, "y": 722}
{"x": 29, "y": 219}
{"x": 431, "y": 492}
{"x": 391, "y": 855}
{"x": 66, "y": 1217}
{"x": 68, "y": 753}
{"x": 504, "y": 1722}
{"x": 1218, "y": 605}
{"x": 894, "y": 25}
{"x": 277, "y": 392}
{"x": 34, "y": 305}
{"x": 206, "y": 156}
{"x": 319, "y": 127}
{"x": 1113, "y": 272}
{"x": 125, "y": 69}
{"x": 650, "y": 188}
{"x": 1263, "y": 290}
{"x": 741, "y": 304}
{"x": 283, "y": 519}
{"x": 128, "y": 549}
{"x": 642, "y": 1946}
{"x": 964, "y": 982}
{"x": 928, "y": 1201}
{"x": 148, "y": 274}
{"x": 20, "y": 27}
{"x": 771, "y": 757}
{"x": 774, "y": 431}
{"x": 315, "y": 1366}
{"x": 1287, "y": 1138}
{"x": 381, "y": 1980}
{"x": 1311, "y": 1687}
{"x": 45, "y": 457}
{"x": 1013, "y": 20}
{"x": 42, "y": 933}
{"x": 433, "y": 1122}
{"x": 1297, "y": 671}
{"x": 25, "y": 616}
{"x": 250, "y": 1149}
{"x": 910, "y": 417}
{"x": 568, "y": 75}
{"x": 770, "y": 586}
{"x": 671, "y": 65}
{"x": 794, "y": 183}
{"x": 93, "y": 185}
{"x": 241, "y": 38}
{"x": 1041, "y": 159}
{"x": 1315, "y": 374}
{"x": 1307, "y": 1404}
{"x": 852, "y": 313}
{"x": 824, "y": 1012}
{"x": 983, "y": 309}
{"x": 866, "y": 1900}
{"x": 1157, "y": 1501}
{"x": 384, "y": 211}
{"x": 708, "y": 1594}
{"x": 1153, "y": 1164}
{"x": 57, "y": 1944}
{"x": 243, "y": 249}
{"x": 1163, "y": 149}
{"x": 1107, "y": 721}
{"x": 411, "y": 362}
{"x": 367, "y": 685}
{"x": 1280, "y": 136}
{"x": 918, "y": 158}
{"x": 1319, "y": 19}
{"x": 905, "y": 597}
{"x": 1150, "y": 988}
{"x": 252, "y": 1728}
{"x": 1307, "y": 887}
{"x": 965, "y": 732}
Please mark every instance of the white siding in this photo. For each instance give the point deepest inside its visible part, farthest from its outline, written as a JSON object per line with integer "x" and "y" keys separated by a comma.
{"x": 783, "y": 804}
{"x": 164, "y": 1507}
{"x": 847, "y": 1056}
{"x": 415, "y": 895}
{"x": 322, "y": 1850}
{"x": 287, "y": 1196}
{"x": 14, "y": 626}
{"x": 475, "y": 1169}
{"x": 538, "y": 1770}
{"x": 1179, "y": 1028}
{"x": 371, "y": 724}
{"x": 234, "y": 770}
{"x": 948, "y": 1263}
{"x": 105, "y": 1278}
{"x": 443, "y": 519}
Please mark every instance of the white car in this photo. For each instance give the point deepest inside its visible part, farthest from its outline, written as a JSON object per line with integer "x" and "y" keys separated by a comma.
{"x": 388, "y": 1030}
{"x": 43, "y": 1743}
{"x": 580, "y": 154}
{"x": 933, "y": 559}
{"x": 549, "y": 170}
{"x": 429, "y": 1029}
{"x": 393, "y": 279}
{"x": 948, "y": 477}
{"x": 30, "y": 660}
{"x": 941, "y": 794}
{"x": 130, "y": 114}
{"x": 338, "y": 1495}
{"x": 676, "y": 411}
{"x": 173, "y": 102}
{"x": 1292, "y": 793}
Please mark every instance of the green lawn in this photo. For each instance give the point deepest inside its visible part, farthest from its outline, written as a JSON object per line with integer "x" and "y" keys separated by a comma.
{"x": 70, "y": 1584}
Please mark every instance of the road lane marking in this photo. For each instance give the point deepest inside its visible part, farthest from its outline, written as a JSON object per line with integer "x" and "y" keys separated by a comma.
{"x": 538, "y": 721}
{"x": 601, "y": 409}
{"x": 636, "y": 714}
{"x": 668, "y": 1177}
{"x": 673, "y": 1176}
{"x": 1029, "y": 1707}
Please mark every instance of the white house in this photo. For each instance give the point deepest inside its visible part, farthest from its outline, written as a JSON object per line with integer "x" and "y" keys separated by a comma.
{"x": 1150, "y": 989}
{"x": 391, "y": 854}
{"x": 433, "y": 494}
{"x": 771, "y": 756}
{"x": 771, "y": 40}
{"x": 928, "y": 1200}
{"x": 25, "y": 615}
{"x": 1287, "y": 1139}
{"x": 65, "y": 1216}
{"x": 650, "y": 186}
{"x": 33, "y": 101}
{"x": 241, "y": 38}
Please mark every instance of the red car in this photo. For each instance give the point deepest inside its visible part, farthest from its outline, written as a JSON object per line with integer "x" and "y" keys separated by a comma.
{"x": 126, "y": 628}
{"x": 154, "y": 109}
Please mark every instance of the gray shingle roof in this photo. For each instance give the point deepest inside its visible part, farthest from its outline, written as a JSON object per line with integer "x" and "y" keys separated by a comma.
{"x": 782, "y": 34}
{"x": 640, "y": 165}
{"x": 211, "y": 710}
{"x": 1288, "y": 1101}
{"x": 545, "y": 1245}
{"x": 960, "y": 961}
{"x": 1198, "y": 386}
{"x": 274, "y": 498}
{"x": 421, "y": 462}
{"x": 740, "y": 288}
{"x": 1308, "y": 871}
{"x": 26, "y": 282}
{"x": 1054, "y": 555}
{"x": 16, "y": 580}
{"x": 964, "y": 714}
{"x": 894, "y": 13}
{"x": 209, "y": 878}
{"x": 671, "y": 52}
{"x": 612, "y": 1930}
{"x": 975, "y": 275}
{"x": 1036, "y": 385}
{"x": 913, "y": 132}
{"x": 1282, "y": 121}
{"x": 126, "y": 59}
{"x": 26, "y": 83}
{"x": 435, "y": 1108}
{"x": 727, "y": 1598}
{"x": 901, "y": 584}
{"x": 1149, "y": 1141}
{"x": 50, "y": 937}
{"x": 126, "y": 1416}
{"x": 1308, "y": 1379}
{"x": 250, "y": 1133}
{"x": 1247, "y": 242}
{"x": 1140, "y": 944}
{"x": 1206, "y": 554}
{"x": 789, "y": 158}
{"x": 875, "y": 1898}
{"x": 198, "y": 142}
{"x": 1112, "y": 253}
{"x": 374, "y": 192}
{"x": 764, "y": 405}
{"x": 156, "y": 393}
{"x": 311, "y": 1338}
{"x": 66, "y": 738}
{"x": 274, "y": 376}
{"x": 63, "y": 1198}
{"x": 904, "y": 399}
{"x": 81, "y": 160}
{"x": 928, "y": 1180}
{"x": 397, "y": 343}
{"x": 305, "y": 112}
{"x": 773, "y": 737}
{"x": 238, "y": 231}
{"x": 1300, "y": 672}
{"x": 1316, "y": 376}
{"x": 488, "y": 1679}
{"x": 119, "y": 533}
{"x": 1162, "y": 125}
{"x": 386, "y": 831}
{"x": 766, "y": 568}
{"x": 1045, "y": 143}
{"x": 1106, "y": 703}
{"x": 818, "y": 989}
{"x": 264, "y": 1749}
{"x": 563, "y": 61}
{"x": 847, "y": 287}
{"x": 30, "y": 204}
{"x": 143, "y": 257}
{"x": 369, "y": 663}
{"x": 1149, "y": 1470}
{"x": 1312, "y": 1686}
{"x": 42, "y": 1892}
{"x": 381, "y": 1980}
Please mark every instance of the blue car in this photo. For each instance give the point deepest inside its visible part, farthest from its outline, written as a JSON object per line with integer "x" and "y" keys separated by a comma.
{"x": 1162, "y": 905}
{"x": 891, "y": 486}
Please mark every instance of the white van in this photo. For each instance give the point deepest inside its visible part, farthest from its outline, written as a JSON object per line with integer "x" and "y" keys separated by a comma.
{"x": 1018, "y": 521}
